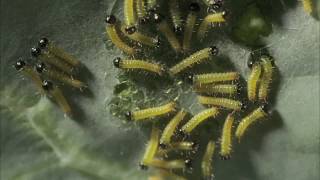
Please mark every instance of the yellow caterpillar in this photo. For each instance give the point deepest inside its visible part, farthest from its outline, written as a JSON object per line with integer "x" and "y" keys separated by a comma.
{"x": 206, "y": 164}
{"x": 247, "y": 121}
{"x": 138, "y": 64}
{"x": 213, "y": 77}
{"x": 226, "y": 137}
{"x": 193, "y": 59}
{"x": 221, "y": 102}
{"x": 151, "y": 112}
{"x": 211, "y": 18}
{"x": 266, "y": 78}
{"x": 189, "y": 25}
{"x": 151, "y": 149}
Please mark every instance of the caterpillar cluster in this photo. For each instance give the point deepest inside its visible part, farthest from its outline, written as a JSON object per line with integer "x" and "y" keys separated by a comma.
{"x": 217, "y": 91}
{"x": 49, "y": 67}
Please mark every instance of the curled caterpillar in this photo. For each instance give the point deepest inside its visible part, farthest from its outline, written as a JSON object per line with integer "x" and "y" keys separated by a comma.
{"x": 206, "y": 163}
{"x": 211, "y": 18}
{"x": 27, "y": 70}
{"x": 251, "y": 118}
{"x": 193, "y": 59}
{"x": 112, "y": 32}
{"x": 169, "y": 130}
{"x": 253, "y": 81}
{"x": 138, "y": 64}
{"x": 199, "y": 118}
{"x": 151, "y": 148}
{"x": 194, "y": 8}
{"x": 47, "y": 58}
{"x": 58, "y": 52}
{"x": 267, "y": 66}
{"x": 213, "y": 77}
{"x": 58, "y": 96}
{"x": 151, "y": 112}
{"x": 226, "y": 137}
{"x": 53, "y": 74}
{"x": 228, "y": 89}
{"x": 221, "y": 102}
{"x": 163, "y": 26}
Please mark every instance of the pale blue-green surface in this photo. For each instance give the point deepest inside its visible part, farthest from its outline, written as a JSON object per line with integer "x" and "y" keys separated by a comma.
{"x": 38, "y": 142}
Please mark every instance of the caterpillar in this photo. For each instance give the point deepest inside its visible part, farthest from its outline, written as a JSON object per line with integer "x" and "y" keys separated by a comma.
{"x": 129, "y": 15}
{"x": 267, "y": 66}
{"x": 221, "y": 102}
{"x": 47, "y": 58}
{"x": 198, "y": 118}
{"x": 141, "y": 38}
{"x": 213, "y": 77}
{"x": 193, "y": 59}
{"x": 194, "y": 8}
{"x": 151, "y": 148}
{"x": 58, "y": 52}
{"x": 171, "y": 127}
{"x": 226, "y": 137}
{"x": 53, "y": 74}
{"x": 152, "y": 5}
{"x": 163, "y": 26}
{"x": 151, "y": 112}
{"x": 174, "y": 9}
{"x": 138, "y": 64}
{"x": 253, "y": 80}
{"x": 112, "y": 32}
{"x": 171, "y": 164}
{"x": 27, "y": 70}
{"x": 307, "y": 6}
{"x": 254, "y": 116}
{"x": 206, "y": 163}
{"x": 58, "y": 96}
{"x": 141, "y": 11}
{"x": 228, "y": 89}
{"x": 210, "y": 18}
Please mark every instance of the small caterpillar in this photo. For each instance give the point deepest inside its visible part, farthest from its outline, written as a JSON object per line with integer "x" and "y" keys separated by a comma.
{"x": 45, "y": 57}
{"x": 151, "y": 149}
{"x": 206, "y": 164}
{"x": 58, "y": 96}
{"x": 211, "y": 18}
{"x": 178, "y": 146}
{"x": 171, "y": 164}
{"x": 27, "y": 70}
{"x": 221, "y": 102}
{"x": 193, "y": 59}
{"x": 267, "y": 66}
{"x": 171, "y": 127}
{"x": 141, "y": 11}
{"x": 112, "y": 32}
{"x": 189, "y": 25}
{"x": 58, "y": 52}
{"x": 229, "y": 89}
{"x": 251, "y": 118}
{"x": 141, "y": 38}
{"x": 151, "y": 112}
{"x": 129, "y": 14}
{"x": 163, "y": 26}
{"x": 213, "y": 77}
{"x": 174, "y": 10}
{"x": 138, "y": 64}
{"x": 226, "y": 137}
{"x": 198, "y": 118}
{"x": 307, "y": 6}
{"x": 253, "y": 80}
{"x": 51, "y": 73}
